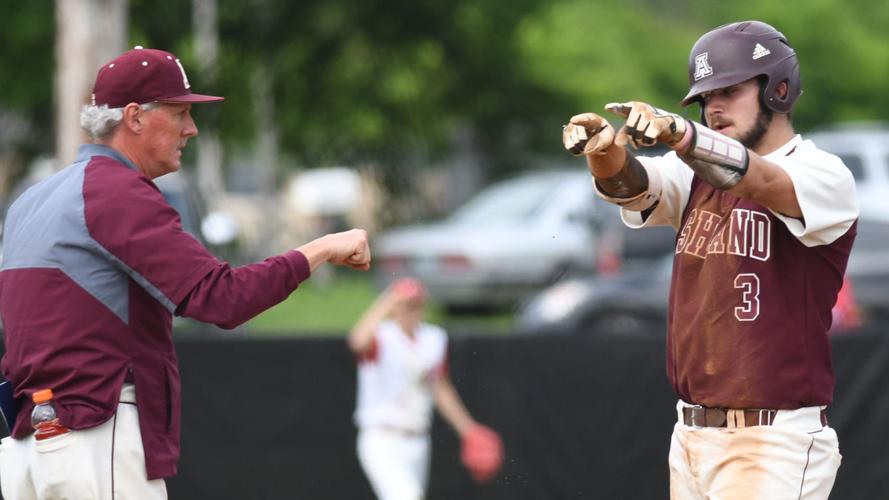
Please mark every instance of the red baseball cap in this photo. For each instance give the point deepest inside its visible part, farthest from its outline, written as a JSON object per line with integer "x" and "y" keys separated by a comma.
{"x": 409, "y": 289}
{"x": 144, "y": 75}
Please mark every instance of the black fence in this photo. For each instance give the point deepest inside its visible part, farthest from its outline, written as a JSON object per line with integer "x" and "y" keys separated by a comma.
{"x": 580, "y": 418}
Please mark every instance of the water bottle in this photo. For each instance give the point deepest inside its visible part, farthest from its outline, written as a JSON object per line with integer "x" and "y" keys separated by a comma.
{"x": 43, "y": 417}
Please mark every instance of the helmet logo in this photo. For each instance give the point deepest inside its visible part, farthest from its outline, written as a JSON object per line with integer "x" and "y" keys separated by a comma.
{"x": 702, "y": 68}
{"x": 760, "y": 51}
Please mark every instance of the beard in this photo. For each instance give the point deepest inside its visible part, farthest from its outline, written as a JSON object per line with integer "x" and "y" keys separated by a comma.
{"x": 751, "y": 138}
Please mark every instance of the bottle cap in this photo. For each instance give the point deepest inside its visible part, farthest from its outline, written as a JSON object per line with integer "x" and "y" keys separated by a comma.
{"x": 42, "y": 396}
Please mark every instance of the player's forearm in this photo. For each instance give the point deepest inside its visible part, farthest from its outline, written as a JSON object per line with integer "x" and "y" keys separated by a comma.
{"x": 770, "y": 186}
{"x": 361, "y": 335}
{"x": 727, "y": 164}
{"x": 627, "y": 180}
{"x": 451, "y": 406}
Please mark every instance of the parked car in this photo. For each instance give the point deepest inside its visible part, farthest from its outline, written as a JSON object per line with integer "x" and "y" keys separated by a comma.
{"x": 634, "y": 303}
{"x": 864, "y": 148}
{"x": 513, "y": 238}
{"x": 630, "y": 303}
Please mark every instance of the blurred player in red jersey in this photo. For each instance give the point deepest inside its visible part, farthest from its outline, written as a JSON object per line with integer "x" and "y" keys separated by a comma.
{"x": 402, "y": 370}
{"x": 765, "y": 224}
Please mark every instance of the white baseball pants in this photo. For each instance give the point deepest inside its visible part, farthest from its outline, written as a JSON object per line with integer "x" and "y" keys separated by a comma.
{"x": 794, "y": 458}
{"x": 105, "y": 462}
{"x": 396, "y": 464}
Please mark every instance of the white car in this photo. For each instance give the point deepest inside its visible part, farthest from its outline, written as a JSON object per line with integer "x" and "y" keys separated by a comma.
{"x": 864, "y": 148}
{"x": 512, "y": 239}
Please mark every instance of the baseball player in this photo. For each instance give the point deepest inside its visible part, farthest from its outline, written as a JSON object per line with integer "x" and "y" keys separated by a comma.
{"x": 402, "y": 370}
{"x": 765, "y": 223}
{"x": 95, "y": 265}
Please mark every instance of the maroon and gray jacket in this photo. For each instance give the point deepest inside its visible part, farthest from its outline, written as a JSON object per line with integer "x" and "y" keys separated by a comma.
{"x": 95, "y": 265}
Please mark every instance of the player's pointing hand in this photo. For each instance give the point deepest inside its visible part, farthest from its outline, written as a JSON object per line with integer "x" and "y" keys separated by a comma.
{"x": 647, "y": 125}
{"x": 587, "y": 134}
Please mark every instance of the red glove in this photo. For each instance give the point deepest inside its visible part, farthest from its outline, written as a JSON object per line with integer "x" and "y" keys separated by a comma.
{"x": 482, "y": 452}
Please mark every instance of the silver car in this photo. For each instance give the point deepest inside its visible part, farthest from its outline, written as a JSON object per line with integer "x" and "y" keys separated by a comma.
{"x": 864, "y": 148}
{"x": 511, "y": 239}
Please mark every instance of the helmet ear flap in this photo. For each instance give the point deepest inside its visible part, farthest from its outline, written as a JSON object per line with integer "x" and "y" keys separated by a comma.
{"x": 773, "y": 99}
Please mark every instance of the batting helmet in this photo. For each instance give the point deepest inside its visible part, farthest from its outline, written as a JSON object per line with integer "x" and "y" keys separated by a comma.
{"x": 734, "y": 53}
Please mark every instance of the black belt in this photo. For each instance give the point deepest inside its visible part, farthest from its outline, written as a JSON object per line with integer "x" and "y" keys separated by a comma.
{"x": 699, "y": 416}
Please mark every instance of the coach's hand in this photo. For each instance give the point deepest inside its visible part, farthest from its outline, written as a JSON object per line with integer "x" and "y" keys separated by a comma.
{"x": 348, "y": 248}
{"x": 587, "y": 134}
{"x": 647, "y": 125}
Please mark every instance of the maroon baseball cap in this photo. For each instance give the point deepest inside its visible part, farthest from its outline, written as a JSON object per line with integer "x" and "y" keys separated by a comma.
{"x": 144, "y": 75}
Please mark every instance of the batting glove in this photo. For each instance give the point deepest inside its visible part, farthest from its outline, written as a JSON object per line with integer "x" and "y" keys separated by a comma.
{"x": 647, "y": 125}
{"x": 587, "y": 134}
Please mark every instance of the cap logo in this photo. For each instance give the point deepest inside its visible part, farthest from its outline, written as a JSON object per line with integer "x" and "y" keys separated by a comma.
{"x": 760, "y": 51}
{"x": 702, "y": 68}
{"x": 184, "y": 78}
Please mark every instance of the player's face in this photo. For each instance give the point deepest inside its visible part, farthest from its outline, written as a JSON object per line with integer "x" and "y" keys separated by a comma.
{"x": 735, "y": 111}
{"x": 167, "y": 129}
{"x": 409, "y": 312}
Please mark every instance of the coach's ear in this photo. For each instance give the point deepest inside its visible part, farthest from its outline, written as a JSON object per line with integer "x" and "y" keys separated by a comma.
{"x": 133, "y": 118}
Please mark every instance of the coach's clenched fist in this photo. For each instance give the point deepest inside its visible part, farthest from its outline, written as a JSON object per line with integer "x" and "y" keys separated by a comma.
{"x": 348, "y": 248}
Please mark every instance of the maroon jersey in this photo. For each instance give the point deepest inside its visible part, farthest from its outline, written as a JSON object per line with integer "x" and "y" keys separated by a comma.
{"x": 752, "y": 290}
{"x": 750, "y": 306}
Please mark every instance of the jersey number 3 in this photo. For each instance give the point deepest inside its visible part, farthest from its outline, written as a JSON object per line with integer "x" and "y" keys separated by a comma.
{"x": 749, "y": 285}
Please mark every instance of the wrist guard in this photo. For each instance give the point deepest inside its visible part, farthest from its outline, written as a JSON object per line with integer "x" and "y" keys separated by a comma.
{"x": 720, "y": 160}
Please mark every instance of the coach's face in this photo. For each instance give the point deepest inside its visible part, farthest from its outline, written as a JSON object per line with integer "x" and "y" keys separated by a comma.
{"x": 167, "y": 130}
{"x": 736, "y": 111}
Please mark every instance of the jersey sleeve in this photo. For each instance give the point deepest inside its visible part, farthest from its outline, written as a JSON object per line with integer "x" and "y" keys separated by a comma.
{"x": 443, "y": 366}
{"x": 227, "y": 296}
{"x": 372, "y": 353}
{"x": 825, "y": 191}
{"x": 129, "y": 218}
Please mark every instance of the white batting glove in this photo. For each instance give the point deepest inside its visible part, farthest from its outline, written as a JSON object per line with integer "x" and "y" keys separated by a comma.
{"x": 647, "y": 125}
{"x": 587, "y": 134}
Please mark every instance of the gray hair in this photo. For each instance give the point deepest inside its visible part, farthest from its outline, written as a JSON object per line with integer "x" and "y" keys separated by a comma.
{"x": 100, "y": 121}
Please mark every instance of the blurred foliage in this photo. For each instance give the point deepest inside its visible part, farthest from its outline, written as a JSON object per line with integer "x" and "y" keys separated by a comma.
{"x": 393, "y": 82}
{"x": 26, "y": 75}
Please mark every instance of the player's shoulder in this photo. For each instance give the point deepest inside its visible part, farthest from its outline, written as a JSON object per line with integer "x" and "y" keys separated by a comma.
{"x": 434, "y": 333}
{"x": 801, "y": 149}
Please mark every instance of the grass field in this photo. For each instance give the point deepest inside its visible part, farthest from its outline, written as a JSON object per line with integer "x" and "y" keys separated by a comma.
{"x": 333, "y": 309}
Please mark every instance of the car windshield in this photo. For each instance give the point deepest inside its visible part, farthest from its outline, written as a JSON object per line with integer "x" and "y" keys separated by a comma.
{"x": 511, "y": 201}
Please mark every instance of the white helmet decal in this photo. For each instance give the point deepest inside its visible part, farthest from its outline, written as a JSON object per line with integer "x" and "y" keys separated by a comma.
{"x": 702, "y": 68}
